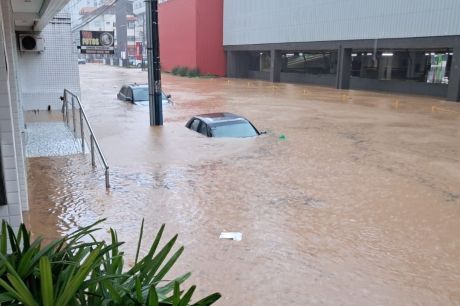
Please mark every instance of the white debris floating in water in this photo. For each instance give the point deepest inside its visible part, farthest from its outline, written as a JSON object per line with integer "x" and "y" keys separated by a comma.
{"x": 231, "y": 236}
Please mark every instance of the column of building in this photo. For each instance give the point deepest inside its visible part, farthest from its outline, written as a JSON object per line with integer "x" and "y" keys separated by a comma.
{"x": 12, "y": 211}
{"x": 453, "y": 92}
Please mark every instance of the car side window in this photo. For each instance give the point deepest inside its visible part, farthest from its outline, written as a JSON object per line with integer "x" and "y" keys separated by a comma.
{"x": 129, "y": 93}
{"x": 195, "y": 124}
{"x": 123, "y": 91}
{"x": 203, "y": 129}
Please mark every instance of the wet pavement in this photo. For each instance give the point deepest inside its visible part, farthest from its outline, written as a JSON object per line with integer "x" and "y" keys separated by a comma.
{"x": 50, "y": 139}
{"x": 358, "y": 203}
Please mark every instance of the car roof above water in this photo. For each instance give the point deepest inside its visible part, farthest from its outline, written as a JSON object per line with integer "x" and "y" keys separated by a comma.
{"x": 220, "y": 118}
{"x": 135, "y": 85}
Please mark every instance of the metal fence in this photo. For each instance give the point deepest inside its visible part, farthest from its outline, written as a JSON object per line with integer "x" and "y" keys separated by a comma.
{"x": 75, "y": 118}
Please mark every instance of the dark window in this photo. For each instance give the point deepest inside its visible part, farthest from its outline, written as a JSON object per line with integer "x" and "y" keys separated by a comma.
{"x": 194, "y": 125}
{"x": 2, "y": 183}
{"x": 129, "y": 93}
{"x": 123, "y": 91}
{"x": 203, "y": 129}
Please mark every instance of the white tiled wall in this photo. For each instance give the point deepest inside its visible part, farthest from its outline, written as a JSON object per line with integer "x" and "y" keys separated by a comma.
{"x": 29, "y": 81}
{"x": 16, "y": 102}
{"x": 13, "y": 211}
{"x": 45, "y": 75}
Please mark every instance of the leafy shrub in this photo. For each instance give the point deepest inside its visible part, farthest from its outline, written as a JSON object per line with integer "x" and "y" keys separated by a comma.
{"x": 175, "y": 70}
{"x": 182, "y": 71}
{"x": 209, "y": 75}
{"x": 69, "y": 271}
{"x": 195, "y": 72}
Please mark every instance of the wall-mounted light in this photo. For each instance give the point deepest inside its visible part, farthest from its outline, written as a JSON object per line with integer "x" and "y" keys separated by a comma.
{"x": 387, "y": 54}
{"x": 354, "y": 54}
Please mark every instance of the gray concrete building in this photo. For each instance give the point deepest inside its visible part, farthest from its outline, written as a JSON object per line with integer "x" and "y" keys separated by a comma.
{"x": 410, "y": 46}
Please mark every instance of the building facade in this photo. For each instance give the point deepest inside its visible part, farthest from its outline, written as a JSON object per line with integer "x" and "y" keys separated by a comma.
{"x": 191, "y": 35}
{"x": 29, "y": 79}
{"x": 408, "y": 46}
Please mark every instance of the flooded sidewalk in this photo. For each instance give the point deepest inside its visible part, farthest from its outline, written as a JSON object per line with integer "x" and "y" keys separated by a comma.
{"x": 351, "y": 198}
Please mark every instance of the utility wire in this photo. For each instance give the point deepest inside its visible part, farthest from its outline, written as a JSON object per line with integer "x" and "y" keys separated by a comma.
{"x": 106, "y": 7}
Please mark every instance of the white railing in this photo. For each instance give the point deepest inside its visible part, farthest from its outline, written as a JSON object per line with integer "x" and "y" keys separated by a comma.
{"x": 80, "y": 126}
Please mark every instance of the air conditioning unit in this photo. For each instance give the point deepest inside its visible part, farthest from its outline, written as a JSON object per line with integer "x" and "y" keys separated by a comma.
{"x": 31, "y": 43}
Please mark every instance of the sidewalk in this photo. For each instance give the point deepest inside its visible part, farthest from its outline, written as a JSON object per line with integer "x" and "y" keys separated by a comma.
{"x": 52, "y": 138}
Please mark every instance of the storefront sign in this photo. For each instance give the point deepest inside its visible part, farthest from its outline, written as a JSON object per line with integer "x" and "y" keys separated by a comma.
{"x": 96, "y": 42}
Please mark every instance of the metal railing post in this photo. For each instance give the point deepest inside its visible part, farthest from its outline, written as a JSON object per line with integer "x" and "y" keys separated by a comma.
{"x": 94, "y": 145}
{"x": 82, "y": 132}
{"x": 66, "y": 110}
{"x": 107, "y": 183}
{"x": 63, "y": 106}
{"x": 93, "y": 161}
{"x": 73, "y": 116}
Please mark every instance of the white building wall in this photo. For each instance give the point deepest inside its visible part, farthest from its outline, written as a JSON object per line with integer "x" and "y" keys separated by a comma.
{"x": 276, "y": 21}
{"x": 16, "y": 98}
{"x": 8, "y": 132}
{"x": 45, "y": 75}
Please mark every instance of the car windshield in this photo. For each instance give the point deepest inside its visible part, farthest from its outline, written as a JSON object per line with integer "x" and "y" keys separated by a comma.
{"x": 141, "y": 94}
{"x": 142, "y": 97}
{"x": 241, "y": 129}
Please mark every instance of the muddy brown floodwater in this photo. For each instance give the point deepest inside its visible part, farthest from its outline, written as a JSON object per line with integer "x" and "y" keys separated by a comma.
{"x": 358, "y": 205}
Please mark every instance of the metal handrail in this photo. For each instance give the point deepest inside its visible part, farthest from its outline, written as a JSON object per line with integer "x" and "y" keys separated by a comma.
{"x": 93, "y": 140}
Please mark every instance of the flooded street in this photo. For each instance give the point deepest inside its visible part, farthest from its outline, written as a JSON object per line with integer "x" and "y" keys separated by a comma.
{"x": 358, "y": 203}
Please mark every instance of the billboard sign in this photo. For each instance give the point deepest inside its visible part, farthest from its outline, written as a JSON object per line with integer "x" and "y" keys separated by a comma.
{"x": 138, "y": 50}
{"x": 96, "y": 42}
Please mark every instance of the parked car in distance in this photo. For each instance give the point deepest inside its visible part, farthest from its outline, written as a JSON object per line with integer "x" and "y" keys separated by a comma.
{"x": 222, "y": 125}
{"x": 82, "y": 61}
{"x": 139, "y": 94}
{"x": 134, "y": 62}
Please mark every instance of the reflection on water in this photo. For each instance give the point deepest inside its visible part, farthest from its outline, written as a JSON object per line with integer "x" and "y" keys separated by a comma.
{"x": 359, "y": 205}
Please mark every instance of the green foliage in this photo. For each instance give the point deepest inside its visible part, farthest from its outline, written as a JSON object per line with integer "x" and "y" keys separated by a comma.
{"x": 185, "y": 71}
{"x": 182, "y": 71}
{"x": 73, "y": 271}
{"x": 195, "y": 72}
{"x": 175, "y": 70}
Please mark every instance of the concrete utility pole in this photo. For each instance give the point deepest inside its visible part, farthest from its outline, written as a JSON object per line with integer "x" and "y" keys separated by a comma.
{"x": 153, "y": 58}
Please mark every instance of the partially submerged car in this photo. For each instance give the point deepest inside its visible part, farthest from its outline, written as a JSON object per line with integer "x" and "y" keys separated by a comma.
{"x": 222, "y": 125}
{"x": 139, "y": 94}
